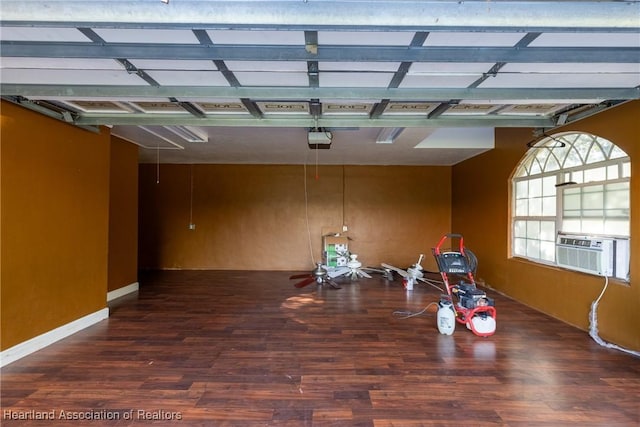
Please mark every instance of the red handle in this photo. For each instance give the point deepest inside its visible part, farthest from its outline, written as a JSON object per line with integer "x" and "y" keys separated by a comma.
{"x": 450, "y": 236}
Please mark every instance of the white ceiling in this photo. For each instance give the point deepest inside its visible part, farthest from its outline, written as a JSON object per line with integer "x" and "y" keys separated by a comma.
{"x": 251, "y": 78}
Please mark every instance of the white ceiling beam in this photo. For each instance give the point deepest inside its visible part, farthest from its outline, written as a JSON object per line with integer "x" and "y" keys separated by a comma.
{"x": 309, "y": 122}
{"x": 426, "y": 15}
{"x": 305, "y": 93}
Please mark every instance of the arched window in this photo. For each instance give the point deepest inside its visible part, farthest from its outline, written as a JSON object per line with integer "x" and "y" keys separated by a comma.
{"x": 573, "y": 183}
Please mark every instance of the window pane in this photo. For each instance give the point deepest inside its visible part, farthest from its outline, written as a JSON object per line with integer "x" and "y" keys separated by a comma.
{"x": 542, "y": 155}
{"x": 535, "y": 206}
{"x": 626, "y": 170}
{"x": 593, "y": 188}
{"x": 596, "y": 174}
{"x": 593, "y": 226}
{"x": 613, "y": 172}
{"x": 533, "y": 229}
{"x": 572, "y": 225}
{"x": 583, "y": 144}
{"x": 573, "y": 159}
{"x": 606, "y": 146}
{"x": 520, "y": 247}
{"x": 617, "y": 199}
{"x": 617, "y": 186}
{"x": 616, "y": 213}
{"x": 520, "y": 229}
{"x": 592, "y": 200}
{"x": 549, "y": 206}
{"x": 595, "y": 155}
{"x": 535, "y": 168}
{"x": 522, "y": 189}
{"x": 561, "y": 153}
{"x": 549, "y": 186}
{"x": 577, "y": 176}
{"x": 533, "y": 249}
{"x": 617, "y": 153}
{"x": 521, "y": 171}
{"x": 535, "y": 187}
{"x": 571, "y": 201}
{"x": 552, "y": 164}
{"x": 616, "y": 226}
{"x": 548, "y": 251}
{"x": 548, "y": 231}
{"x": 522, "y": 207}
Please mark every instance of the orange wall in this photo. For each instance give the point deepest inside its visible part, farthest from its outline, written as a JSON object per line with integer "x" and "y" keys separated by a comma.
{"x": 55, "y": 239}
{"x": 480, "y": 211}
{"x": 252, "y": 217}
{"x": 55, "y": 207}
{"x": 123, "y": 215}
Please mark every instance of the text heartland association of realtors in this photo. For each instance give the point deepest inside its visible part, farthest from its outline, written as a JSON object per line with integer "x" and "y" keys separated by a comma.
{"x": 103, "y": 414}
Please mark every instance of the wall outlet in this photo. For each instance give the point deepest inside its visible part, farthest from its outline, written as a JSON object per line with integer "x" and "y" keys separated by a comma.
{"x": 192, "y": 226}
{"x": 345, "y": 228}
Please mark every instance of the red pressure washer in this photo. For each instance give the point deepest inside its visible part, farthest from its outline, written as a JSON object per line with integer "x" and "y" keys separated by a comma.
{"x": 470, "y": 305}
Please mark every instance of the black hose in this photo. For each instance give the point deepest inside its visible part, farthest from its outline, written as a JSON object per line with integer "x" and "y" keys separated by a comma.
{"x": 472, "y": 260}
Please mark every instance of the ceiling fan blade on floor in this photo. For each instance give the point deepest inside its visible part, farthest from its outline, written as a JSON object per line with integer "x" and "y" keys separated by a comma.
{"x": 363, "y": 274}
{"x": 331, "y": 283}
{"x": 339, "y": 271}
{"x": 396, "y": 269}
{"x": 300, "y": 276}
{"x": 305, "y": 282}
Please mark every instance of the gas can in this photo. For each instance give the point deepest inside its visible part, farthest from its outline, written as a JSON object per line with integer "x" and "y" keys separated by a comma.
{"x": 446, "y": 317}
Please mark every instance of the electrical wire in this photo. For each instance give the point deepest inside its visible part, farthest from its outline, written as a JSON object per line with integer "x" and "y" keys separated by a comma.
{"x": 343, "y": 196}
{"x": 191, "y": 196}
{"x": 158, "y": 164}
{"x": 593, "y": 324}
{"x": 317, "y": 174}
{"x": 432, "y": 283}
{"x": 409, "y": 314}
{"x": 306, "y": 214}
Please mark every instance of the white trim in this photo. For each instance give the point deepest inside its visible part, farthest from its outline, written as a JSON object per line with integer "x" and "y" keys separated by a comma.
{"x": 41, "y": 341}
{"x": 125, "y": 290}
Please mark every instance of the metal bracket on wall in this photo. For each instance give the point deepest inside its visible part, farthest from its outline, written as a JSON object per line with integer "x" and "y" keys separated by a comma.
{"x": 50, "y": 110}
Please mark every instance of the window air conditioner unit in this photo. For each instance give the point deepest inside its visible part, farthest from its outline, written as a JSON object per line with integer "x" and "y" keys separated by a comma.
{"x": 601, "y": 255}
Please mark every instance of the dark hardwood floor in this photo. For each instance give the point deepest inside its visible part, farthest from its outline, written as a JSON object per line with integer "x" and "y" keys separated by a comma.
{"x": 213, "y": 348}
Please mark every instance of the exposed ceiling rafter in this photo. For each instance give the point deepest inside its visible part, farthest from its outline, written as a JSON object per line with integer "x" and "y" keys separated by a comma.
{"x": 18, "y": 49}
{"x": 246, "y": 72}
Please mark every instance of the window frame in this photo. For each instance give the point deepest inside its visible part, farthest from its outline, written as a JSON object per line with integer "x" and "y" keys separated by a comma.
{"x": 523, "y": 173}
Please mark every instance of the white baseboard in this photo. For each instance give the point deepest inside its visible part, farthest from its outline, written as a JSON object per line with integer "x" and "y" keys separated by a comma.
{"x": 41, "y": 341}
{"x": 117, "y": 293}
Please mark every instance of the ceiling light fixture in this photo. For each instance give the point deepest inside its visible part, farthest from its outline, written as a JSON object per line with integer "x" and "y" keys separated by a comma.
{"x": 388, "y": 135}
{"x": 188, "y": 134}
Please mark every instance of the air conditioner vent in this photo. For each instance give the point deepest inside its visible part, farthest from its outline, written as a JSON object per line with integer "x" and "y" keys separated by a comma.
{"x": 579, "y": 258}
{"x": 604, "y": 256}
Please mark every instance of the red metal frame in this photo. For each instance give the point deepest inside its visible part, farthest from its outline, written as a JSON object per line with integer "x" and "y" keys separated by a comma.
{"x": 463, "y": 314}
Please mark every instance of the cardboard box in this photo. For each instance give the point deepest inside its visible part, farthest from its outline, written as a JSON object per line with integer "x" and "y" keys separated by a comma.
{"x": 335, "y": 251}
